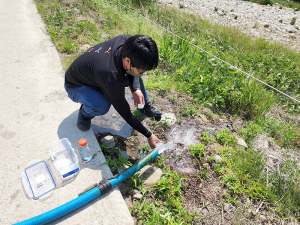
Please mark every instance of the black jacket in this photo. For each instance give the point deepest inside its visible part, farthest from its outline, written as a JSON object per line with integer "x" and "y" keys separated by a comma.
{"x": 101, "y": 67}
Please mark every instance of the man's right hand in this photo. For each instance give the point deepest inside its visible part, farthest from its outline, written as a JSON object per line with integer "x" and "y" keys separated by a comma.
{"x": 138, "y": 98}
{"x": 152, "y": 140}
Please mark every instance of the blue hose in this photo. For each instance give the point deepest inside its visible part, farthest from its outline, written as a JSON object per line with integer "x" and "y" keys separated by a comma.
{"x": 88, "y": 196}
{"x": 133, "y": 169}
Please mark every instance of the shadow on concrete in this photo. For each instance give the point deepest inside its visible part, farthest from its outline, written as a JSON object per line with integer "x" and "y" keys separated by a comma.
{"x": 68, "y": 129}
{"x": 112, "y": 122}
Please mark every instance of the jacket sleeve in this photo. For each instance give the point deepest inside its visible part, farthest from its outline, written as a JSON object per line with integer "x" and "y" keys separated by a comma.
{"x": 134, "y": 82}
{"x": 114, "y": 92}
{"x": 124, "y": 110}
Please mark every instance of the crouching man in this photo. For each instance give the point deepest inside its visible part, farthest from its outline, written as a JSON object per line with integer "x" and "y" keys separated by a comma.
{"x": 97, "y": 79}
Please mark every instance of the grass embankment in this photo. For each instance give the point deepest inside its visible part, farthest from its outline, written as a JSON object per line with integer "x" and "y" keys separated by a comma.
{"x": 211, "y": 83}
{"x": 217, "y": 85}
{"x": 272, "y": 63}
{"x": 243, "y": 173}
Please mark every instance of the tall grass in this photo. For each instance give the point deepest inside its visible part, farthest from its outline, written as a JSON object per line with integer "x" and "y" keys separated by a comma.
{"x": 270, "y": 62}
{"x": 213, "y": 83}
{"x": 210, "y": 82}
{"x": 286, "y": 135}
{"x": 263, "y": 2}
{"x": 72, "y": 25}
{"x": 243, "y": 173}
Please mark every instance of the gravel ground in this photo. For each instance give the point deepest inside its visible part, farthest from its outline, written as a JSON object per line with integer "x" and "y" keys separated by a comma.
{"x": 269, "y": 22}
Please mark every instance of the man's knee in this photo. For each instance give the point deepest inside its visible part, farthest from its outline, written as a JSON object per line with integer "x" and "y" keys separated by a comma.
{"x": 100, "y": 110}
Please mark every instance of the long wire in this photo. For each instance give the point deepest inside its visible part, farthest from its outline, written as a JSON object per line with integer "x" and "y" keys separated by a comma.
{"x": 209, "y": 53}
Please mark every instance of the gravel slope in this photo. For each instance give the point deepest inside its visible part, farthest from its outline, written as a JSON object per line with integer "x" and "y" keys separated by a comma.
{"x": 269, "y": 22}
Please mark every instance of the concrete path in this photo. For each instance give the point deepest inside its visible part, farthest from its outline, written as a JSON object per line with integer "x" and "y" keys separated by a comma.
{"x": 35, "y": 112}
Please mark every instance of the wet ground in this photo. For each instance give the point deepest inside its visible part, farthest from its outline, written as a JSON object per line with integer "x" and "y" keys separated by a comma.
{"x": 188, "y": 133}
{"x": 202, "y": 196}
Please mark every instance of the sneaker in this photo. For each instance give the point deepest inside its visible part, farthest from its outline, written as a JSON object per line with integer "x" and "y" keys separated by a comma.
{"x": 83, "y": 123}
{"x": 151, "y": 111}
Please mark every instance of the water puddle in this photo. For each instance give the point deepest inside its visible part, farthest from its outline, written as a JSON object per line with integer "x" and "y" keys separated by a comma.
{"x": 188, "y": 134}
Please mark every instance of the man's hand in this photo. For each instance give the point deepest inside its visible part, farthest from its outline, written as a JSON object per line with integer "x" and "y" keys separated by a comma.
{"x": 138, "y": 98}
{"x": 152, "y": 140}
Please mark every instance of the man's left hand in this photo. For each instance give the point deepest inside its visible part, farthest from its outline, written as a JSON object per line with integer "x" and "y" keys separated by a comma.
{"x": 138, "y": 98}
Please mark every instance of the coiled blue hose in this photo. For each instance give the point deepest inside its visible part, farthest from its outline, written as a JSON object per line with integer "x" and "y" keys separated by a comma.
{"x": 88, "y": 196}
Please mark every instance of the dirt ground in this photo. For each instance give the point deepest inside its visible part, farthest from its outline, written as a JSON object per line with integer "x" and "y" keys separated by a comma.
{"x": 202, "y": 196}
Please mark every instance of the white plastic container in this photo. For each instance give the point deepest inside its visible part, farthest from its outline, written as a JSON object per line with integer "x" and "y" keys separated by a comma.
{"x": 39, "y": 179}
{"x": 64, "y": 157}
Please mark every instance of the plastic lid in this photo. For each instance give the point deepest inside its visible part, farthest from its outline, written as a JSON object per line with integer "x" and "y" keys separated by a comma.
{"x": 82, "y": 142}
{"x": 40, "y": 179}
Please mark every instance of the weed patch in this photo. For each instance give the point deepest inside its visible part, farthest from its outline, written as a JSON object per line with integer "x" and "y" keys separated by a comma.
{"x": 115, "y": 159}
{"x": 167, "y": 207}
{"x": 285, "y": 134}
{"x": 225, "y": 138}
{"x": 243, "y": 174}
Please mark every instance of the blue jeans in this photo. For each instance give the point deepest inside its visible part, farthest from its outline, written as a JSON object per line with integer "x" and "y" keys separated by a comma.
{"x": 94, "y": 102}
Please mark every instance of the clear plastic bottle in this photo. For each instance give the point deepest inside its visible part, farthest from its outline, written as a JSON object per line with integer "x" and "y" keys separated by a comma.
{"x": 85, "y": 150}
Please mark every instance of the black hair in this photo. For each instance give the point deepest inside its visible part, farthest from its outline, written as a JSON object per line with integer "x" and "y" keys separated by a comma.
{"x": 142, "y": 52}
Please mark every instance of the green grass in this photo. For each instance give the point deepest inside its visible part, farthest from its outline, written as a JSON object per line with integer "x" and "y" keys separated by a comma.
{"x": 114, "y": 159}
{"x": 291, "y": 4}
{"x": 197, "y": 151}
{"x": 67, "y": 31}
{"x": 286, "y": 135}
{"x": 263, "y": 2}
{"x": 272, "y": 63}
{"x": 211, "y": 83}
{"x": 224, "y": 137}
{"x": 249, "y": 180}
{"x": 293, "y": 21}
{"x": 206, "y": 139}
{"x": 188, "y": 110}
{"x": 137, "y": 113}
{"x": 74, "y": 24}
{"x": 244, "y": 176}
{"x": 166, "y": 208}
{"x": 144, "y": 148}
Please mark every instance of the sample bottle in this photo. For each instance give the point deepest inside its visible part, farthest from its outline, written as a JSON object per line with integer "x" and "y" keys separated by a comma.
{"x": 85, "y": 150}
